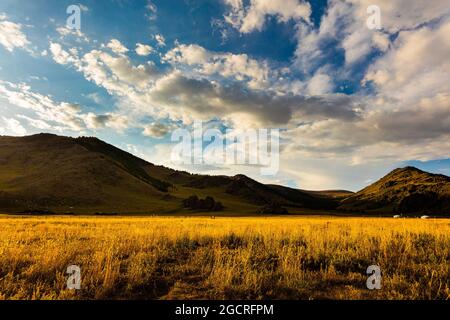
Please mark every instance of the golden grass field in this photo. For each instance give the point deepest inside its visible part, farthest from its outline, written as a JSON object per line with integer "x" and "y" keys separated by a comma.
{"x": 223, "y": 258}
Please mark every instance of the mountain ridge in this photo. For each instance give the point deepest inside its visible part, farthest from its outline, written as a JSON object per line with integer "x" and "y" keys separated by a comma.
{"x": 407, "y": 189}
{"x": 47, "y": 172}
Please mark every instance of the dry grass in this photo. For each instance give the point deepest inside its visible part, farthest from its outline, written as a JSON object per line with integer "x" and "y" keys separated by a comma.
{"x": 223, "y": 258}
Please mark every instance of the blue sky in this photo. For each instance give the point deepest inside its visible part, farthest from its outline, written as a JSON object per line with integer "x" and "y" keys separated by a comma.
{"x": 352, "y": 102}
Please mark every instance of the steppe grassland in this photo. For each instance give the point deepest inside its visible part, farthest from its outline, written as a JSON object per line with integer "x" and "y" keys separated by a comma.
{"x": 223, "y": 258}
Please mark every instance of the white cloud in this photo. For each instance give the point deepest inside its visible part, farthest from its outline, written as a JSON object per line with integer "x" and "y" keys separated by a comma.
{"x": 181, "y": 97}
{"x": 60, "y": 116}
{"x": 417, "y": 132}
{"x": 157, "y": 130}
{"x": 240, "y": 67}
{"x": 65, "y": 32}
{"x": 62, "y": 56}
{"x": 110, "y": 120}
{"x": 13, "y": 127}
{"x": 401, "y": 14}
{"x": 161, "y": 41}
{"x": 408, "y": 116}
{"x": 117, "y": 47}
{"x": 39, "y": 124}
{"x": 11, "y": 35}
{"x": 143, "y": 49}
{"x": 253, "y": 17}
{"x": 321, "y": 83}
{"x": 345, "y": 23}
{"x": 189, "y": 54}
{"x": 116, "y": 74}
{"x": 184, "y": 98}
{"x": 410, "y": 70}
{"x": 20, "y": 95}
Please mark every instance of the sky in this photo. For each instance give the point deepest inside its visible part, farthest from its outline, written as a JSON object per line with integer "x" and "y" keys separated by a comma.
{"x": 352, "y": 101}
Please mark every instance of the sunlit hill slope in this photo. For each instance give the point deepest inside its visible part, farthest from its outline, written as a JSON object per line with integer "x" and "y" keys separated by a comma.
{"x": 46, "y": 173}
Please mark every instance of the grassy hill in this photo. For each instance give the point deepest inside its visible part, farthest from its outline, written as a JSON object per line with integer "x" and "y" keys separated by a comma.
{"x": 406, "y": 190}
{"x": 49, "y": 173}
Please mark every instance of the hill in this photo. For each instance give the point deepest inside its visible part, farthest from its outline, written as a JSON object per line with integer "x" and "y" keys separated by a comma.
{"x": 405, "y": 190}
{"x": 49, "y": 173}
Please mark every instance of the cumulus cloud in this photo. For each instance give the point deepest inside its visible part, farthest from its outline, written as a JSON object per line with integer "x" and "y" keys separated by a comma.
{"x": 250, "y": 18}
{"x": 65, "y": 32}
{"x": 407, "y": 115}
{"x": 62, "y": 56}
{"x": 110, "y": 120}
{"x": 61, "y": 116}
{"x": 240, "y": 67}
{"x": 410, "y": 70}
{"x": 186, "y": 99}
{"x": 157, "y": 130}
{"x": 12, "y": 126}
{"x": 11, "y": 35}
{"x": 345, "y": 23}
{"x": 180, "y": 96}
{"x": 185, "y": 96}
{"x": 320, "y": 84}
{"x": 401, "y": 14}
{"x": 43, "y": 106}
{"x": 116, "y": 46}
{"x": 160, "y": 40}
{"x": 143, "y": 49}
{"x": 339, "y": 25}
{"x": 116, "y": 73}
{"x": 421, "y": 131}
{"x": 36, "y": 123}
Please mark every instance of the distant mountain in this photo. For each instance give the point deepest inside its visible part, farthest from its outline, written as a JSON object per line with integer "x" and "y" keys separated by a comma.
{"x": 257, "y": 193}
{"x": 406, "y": 190}
{"x": 49, "y": 173}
